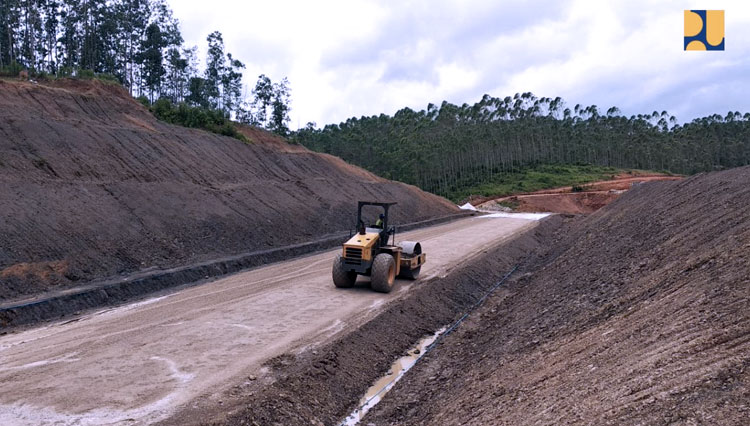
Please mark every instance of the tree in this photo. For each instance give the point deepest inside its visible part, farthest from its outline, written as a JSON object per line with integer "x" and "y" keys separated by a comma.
{"x": 132, "y": 19}
{"x": 214, "y": 69}
{"x": 263, "y": 96}
{"x": 10, "y": 19}
{"x": 231, "y": 82}
{"x": 32, "y": 33}
{"x": 280, "y": 108}
{"x": 151, "y": 59}
{"x": 177, "y": 75}
{"x": 198, "y": 92}
{"x": 51, "y": 21}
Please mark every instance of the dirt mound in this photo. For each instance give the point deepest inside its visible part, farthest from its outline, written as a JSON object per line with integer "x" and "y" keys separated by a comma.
{"x": 93, "y": 186}
{"x": 639, "y": 315}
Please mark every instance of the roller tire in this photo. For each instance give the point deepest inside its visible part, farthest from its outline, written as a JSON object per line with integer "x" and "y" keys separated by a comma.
{"x": 383, "y": 273}
{"x": 341, "y": 277}
{"x": 410, "y": 274}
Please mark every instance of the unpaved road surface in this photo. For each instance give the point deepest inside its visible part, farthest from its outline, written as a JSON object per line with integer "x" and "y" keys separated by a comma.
{"x": 138, "y": 363}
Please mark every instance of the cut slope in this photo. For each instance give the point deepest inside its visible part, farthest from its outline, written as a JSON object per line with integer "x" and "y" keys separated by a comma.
{"x": 94, "y": 186}
{"x": 640, "y": 315}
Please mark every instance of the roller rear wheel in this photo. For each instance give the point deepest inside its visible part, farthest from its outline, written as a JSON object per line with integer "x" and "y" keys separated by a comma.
{"x": 341, "y": 277}
{"x": 383, "y": 273}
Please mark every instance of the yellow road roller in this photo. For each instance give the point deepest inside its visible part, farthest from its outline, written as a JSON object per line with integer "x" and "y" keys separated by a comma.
{"x": 368, "y": 253}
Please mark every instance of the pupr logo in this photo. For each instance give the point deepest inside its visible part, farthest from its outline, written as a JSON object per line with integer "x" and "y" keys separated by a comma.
{"x": 704, "y": 30}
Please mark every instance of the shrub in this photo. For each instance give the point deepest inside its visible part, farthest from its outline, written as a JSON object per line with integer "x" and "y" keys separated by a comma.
{"x": 196, "y": 117}
{"x": 65, "y": 72}
{"x": 143, "y": 101}
{"x": 86, "y": 74}
{"x": 108, "y": 77}
{"x": 11, "y": 70}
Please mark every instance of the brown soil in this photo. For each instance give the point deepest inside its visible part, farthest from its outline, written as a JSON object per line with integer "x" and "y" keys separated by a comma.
{"x": 571, "y": 203}
{"x": 638, "y": 315}
{"x": 93, "y": 186}
{"x": 593, "y": 196}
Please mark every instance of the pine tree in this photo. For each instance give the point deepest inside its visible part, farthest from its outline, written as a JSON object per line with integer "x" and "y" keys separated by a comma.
{"x": 232, "y": 84}
{"x": 214, "y": 69}
{"x": 10, "y": 20}
{"x": 263, "y": 97}
{"x": 151, "y": 59}
{"x": 280, "y": 108}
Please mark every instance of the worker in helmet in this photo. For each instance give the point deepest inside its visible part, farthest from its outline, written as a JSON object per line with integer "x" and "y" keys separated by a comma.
{"x": 379, "y": 223}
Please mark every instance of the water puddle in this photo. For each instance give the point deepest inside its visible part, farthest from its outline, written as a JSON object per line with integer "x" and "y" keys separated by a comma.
{"x": 376, "y": 392}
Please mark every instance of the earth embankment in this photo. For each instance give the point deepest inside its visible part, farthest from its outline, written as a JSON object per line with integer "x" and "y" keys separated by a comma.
{"x": 638, "y": 314}
{"x": 93, "y": 186}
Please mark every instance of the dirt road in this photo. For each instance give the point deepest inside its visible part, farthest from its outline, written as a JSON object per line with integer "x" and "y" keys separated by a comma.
{"x": 138, "y": 363}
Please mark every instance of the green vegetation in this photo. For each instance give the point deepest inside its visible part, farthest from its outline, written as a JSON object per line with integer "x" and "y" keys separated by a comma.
{"x": 137, "y": 43}
{"x": 456, "y": 150}
{"x": 511, "y": 204}
{"x": 534, "y": 178}
{"x": 11, "y": 70}
{"x": 196, "y": 117}
{"x": 14, "y": 70}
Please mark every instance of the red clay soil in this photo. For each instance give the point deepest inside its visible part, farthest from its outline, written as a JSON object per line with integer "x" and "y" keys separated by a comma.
{"x": 640, "y": 314}
{"x": 93, "y": 186}
{"x": 570, "y": 203}
{"x": 593, "y": 196}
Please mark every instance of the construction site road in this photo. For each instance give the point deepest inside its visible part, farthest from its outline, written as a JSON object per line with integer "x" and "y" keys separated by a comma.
{"x": 139, "y": 363}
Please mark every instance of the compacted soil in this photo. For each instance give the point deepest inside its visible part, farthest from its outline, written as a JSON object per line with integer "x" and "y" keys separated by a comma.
{"x": 195, "y": 351}
{"x": 639, "y": 314}
{"x": 92, "y": 186}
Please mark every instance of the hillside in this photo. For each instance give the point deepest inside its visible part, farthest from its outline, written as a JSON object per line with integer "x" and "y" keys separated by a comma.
{"x": 93, "y": 186}
{"x": 640, "y": 314}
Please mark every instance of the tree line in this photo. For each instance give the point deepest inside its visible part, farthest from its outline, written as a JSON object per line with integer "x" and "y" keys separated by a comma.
{"x": 446, "y": 148}
{"x": 139, "y": 44}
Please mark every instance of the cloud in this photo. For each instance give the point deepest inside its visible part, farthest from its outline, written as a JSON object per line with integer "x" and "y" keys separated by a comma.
{"x": 360, "y": 57}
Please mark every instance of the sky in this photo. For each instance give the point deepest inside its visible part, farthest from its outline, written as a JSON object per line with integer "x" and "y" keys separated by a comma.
{"x": 356, "y": 58}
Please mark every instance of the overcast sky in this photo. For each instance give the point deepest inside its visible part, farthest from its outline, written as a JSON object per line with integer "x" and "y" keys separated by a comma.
{"x": 358, "y": 57}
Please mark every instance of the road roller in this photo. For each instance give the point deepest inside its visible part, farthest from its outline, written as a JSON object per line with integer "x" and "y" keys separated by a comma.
{"x": 372, "y": 251}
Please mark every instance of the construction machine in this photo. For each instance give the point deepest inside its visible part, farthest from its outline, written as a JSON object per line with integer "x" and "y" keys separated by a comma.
{"x": 369, "y": 252}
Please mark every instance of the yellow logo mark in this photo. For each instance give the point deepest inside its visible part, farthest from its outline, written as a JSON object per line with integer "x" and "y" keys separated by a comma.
{"x": 704, "y": 30}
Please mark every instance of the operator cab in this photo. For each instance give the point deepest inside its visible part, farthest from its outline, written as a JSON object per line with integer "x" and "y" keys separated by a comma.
{"x": 384, "y": 232}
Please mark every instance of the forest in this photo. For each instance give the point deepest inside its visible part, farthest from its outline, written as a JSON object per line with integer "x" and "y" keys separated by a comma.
{"x": 448, "y": 148}
{"x": 137, "y": 43}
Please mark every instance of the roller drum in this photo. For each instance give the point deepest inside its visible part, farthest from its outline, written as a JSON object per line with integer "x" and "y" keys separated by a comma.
{"x": 410, "y": 248}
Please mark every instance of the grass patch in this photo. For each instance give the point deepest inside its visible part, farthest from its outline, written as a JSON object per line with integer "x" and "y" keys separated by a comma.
{"x": 536, "y": 178}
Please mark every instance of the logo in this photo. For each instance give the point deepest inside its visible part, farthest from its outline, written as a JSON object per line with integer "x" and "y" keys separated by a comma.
{"x": 704, "y": 30}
